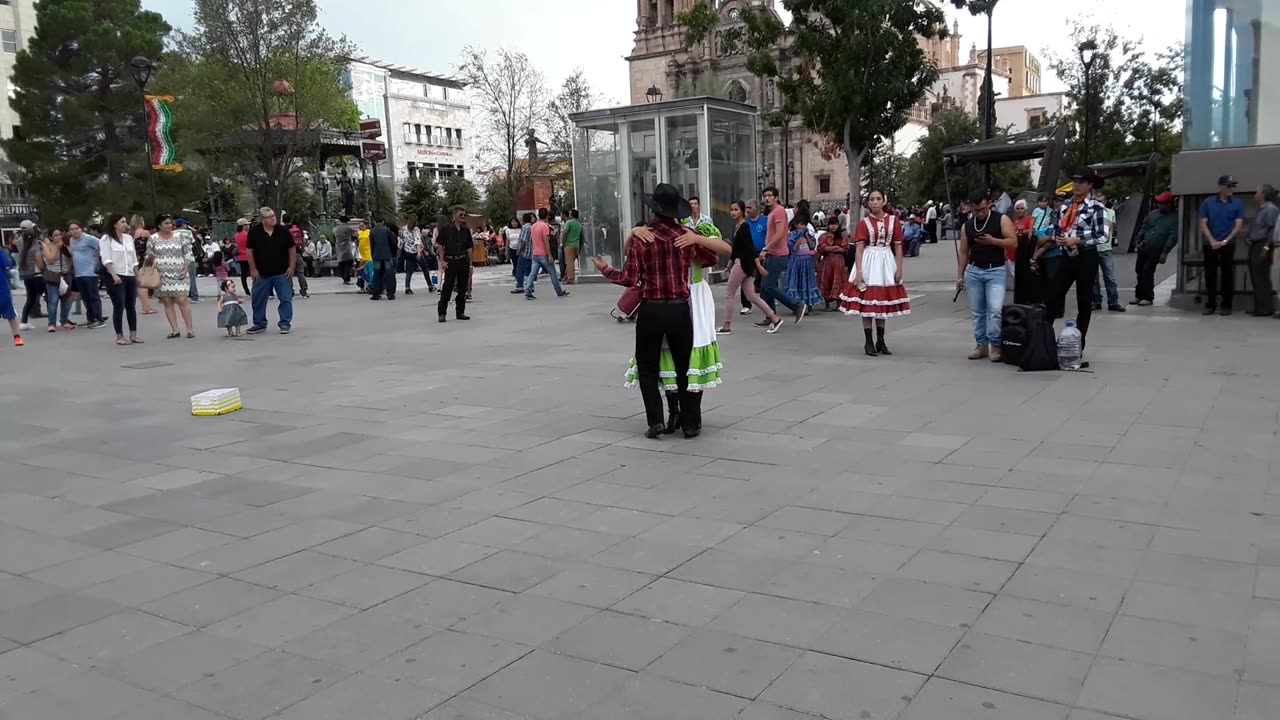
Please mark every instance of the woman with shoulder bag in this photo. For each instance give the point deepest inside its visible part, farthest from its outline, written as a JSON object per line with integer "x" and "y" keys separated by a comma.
{"x": 119, "y": 260}
{"x": 54, "y": 262}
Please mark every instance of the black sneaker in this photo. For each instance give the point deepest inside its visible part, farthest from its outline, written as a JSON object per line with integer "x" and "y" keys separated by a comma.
{"x": 655, "y": 431}
{"x": 407, "y": 291}
{"x": 464, "y": 317}
{"x": 1209, "y": 310}
{"x": 255, "y": 330}
{"x": 517, "y": 291}
{"x": 1097, "y": 307}
{"x": 1117, "y": 308}
{"x": 444, "y": 319}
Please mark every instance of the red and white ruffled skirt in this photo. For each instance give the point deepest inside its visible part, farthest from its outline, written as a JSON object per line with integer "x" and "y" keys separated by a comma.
{"x": 882, "y": 297}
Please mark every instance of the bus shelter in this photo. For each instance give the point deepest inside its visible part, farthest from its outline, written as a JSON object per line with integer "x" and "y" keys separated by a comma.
{"x": 704, "y": 146}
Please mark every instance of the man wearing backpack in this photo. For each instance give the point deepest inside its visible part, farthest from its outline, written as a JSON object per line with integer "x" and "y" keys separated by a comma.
{"x": 1158, "y": 238}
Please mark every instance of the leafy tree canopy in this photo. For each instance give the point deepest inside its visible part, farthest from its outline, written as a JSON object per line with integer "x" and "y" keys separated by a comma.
{"x": 928, "y": 181}
{"x": 421, "y": 196}
{"x": 853, "y": 69}
{"x": 79, "y": 141}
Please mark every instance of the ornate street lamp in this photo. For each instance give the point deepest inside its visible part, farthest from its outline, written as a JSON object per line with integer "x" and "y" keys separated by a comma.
{"x": 142, "y": 69}
{"x": 1088, "y": 54}
{"x": 653, "y": 94}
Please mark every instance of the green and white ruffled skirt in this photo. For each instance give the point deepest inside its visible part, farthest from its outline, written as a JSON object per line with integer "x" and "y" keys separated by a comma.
{"x": 704, "y": 361}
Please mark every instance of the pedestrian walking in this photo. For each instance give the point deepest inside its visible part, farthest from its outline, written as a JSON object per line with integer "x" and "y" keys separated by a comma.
{"x": 384, "y": 243}
{"x": 540, "y": 236}
{"x": 744, "y": 265}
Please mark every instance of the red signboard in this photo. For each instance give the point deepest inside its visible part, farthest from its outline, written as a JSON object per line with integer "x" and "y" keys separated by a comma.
{"x": 373, "y": 150}
{"x": 371, "y": 128}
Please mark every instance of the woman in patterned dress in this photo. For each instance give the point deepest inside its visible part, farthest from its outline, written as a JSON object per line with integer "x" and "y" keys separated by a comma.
{"x": 875, "y": 291}
{"x": 170, "y": 250}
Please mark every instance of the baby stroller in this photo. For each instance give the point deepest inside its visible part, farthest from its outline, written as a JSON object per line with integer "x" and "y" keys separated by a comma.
{"x": 627, "y": 305}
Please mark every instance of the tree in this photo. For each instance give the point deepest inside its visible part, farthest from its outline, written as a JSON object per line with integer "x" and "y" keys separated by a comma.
{"x": 81, "y": 144}
{"x": 421, "y": 197}
{"x": 499, "y": 208}
{"x": 263, "y": 80}
{"x": 511, "y": 95}
{"x": 929, "y": 181}
{"x": 887, "y": 172}
{"x": 1135, "y": 102}
{"x": 575, "y": 96}
{"x": 460, "y": 191}
{"x": 853, "y": 68}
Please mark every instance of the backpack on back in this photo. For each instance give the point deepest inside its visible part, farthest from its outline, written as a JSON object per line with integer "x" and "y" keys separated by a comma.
{"x": 1027, "y": 339}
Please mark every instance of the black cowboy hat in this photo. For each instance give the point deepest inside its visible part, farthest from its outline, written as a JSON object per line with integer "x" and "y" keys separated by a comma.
{"x": 1090, "y": 177}
{"x": 666, "y": 202}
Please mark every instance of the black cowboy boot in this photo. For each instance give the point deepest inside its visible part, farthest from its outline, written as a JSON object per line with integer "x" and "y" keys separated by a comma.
{"x": 673, "y": 418}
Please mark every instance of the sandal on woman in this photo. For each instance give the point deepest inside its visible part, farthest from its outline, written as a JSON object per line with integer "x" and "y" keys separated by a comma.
{"x": 134, "y": 340}
{"x": 173, "y": 335}
{"x": 190, "y": 335}
{"x": 150, "y": 312}
{"x": 122, "y": 341}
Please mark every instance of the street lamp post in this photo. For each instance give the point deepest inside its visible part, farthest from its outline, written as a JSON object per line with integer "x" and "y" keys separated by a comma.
{"x": 142, "y": 69}
{"x": 1088, "y": 53}
{"x": 987, "y": 7}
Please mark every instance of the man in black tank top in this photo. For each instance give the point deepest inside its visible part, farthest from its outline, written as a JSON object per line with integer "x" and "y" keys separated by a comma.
{"x": 984, "y": 237}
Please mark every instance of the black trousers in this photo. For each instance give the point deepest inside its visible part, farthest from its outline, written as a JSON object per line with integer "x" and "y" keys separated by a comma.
{"x": 34, "y": 286}
{"x": 1080, "y": 270}
{"x": 1260, "y": 276}
{"x": 244, "y": 276}
{"x": 344, "y": 270}
{"x": 456, "y": 276}
{"x": 1219, "y": 275}
{"x": 412, "y": 264}
{"x": 1028, "y": 286}
{"x": 1147, "y": 262}
{"x": 124, "y": 296}
{"x": 672, "y": 322}
{"x": 87, "y": 286}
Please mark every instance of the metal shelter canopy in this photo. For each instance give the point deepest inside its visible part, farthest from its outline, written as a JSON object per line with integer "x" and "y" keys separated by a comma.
{"x": 1047, "y": 143}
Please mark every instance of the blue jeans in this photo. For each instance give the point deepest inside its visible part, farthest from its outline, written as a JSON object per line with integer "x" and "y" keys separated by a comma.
{"x": 51, "y": 296}
{"x": 520, "y": 269}
{"x": 544, "y": 263}
{"x": 985, "y": 289}
{"x": 384, "y": 278}
{"x": 771, "y": 288}
{"x": 264, "y": 288}
{"x": 1107, "y": 264}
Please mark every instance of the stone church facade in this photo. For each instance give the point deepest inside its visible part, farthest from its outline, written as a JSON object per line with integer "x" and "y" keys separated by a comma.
{"x": 791, "y": 157}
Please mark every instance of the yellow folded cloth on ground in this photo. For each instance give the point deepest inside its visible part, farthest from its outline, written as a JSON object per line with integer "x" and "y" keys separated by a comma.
{"x": 216, "y": 402}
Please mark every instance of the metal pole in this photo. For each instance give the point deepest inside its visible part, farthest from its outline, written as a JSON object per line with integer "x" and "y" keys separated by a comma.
{"x": 990, "y": 110}
{"x": 377, "y": 195}
{"x": 151, "y": 170}
{"x": 1085, "y": 159}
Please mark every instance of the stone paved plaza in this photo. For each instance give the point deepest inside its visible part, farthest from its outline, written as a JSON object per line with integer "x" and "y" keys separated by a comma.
{"x": 462, "y": 522}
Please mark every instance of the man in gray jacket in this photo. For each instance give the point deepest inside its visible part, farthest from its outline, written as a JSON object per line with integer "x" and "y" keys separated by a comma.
{"x": 345, "y": 240}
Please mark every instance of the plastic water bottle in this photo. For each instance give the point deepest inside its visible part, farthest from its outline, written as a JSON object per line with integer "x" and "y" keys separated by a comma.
{"x": 1069, "y": 350}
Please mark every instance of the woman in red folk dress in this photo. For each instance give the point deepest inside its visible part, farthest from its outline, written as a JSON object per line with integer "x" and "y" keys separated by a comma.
{"x": 875, "y": 291}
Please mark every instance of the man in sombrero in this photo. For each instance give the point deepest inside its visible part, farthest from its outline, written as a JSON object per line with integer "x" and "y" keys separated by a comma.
{"x": 660, "y": 263}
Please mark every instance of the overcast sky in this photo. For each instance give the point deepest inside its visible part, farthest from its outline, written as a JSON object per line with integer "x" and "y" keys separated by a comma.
{"x": 596, "y": 34}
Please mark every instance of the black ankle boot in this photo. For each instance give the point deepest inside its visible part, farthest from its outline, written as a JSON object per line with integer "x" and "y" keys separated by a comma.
{"x": 673, "y": 418}
{"x": 870, "y": 349}
{"x": 882, "y": 348}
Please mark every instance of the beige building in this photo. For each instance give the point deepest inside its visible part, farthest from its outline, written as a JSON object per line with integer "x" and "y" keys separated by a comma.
{"x": 793, "y": 159}
{"x": 1018, "y": 63}
{"x": 17, "y": 23}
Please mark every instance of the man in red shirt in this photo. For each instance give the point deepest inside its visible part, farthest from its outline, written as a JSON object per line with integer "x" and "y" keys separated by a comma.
{"x": 540, "y": 233}
{"x": 299, "y": 242}
{"x": 659, "y": 258}
{"x": 776, "y": 255}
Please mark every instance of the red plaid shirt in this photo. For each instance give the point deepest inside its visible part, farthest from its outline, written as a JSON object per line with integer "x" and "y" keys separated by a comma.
{"x": 660, "y": 267}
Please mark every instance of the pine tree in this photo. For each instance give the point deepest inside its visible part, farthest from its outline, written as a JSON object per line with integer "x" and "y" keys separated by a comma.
{"x": 80, "y": 139}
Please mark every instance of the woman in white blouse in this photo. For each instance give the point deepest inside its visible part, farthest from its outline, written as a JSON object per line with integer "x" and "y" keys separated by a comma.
{"x": 119, "y": 259}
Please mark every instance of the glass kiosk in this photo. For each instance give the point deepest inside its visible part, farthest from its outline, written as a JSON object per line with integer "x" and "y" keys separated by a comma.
{"x": 704, "y": 146}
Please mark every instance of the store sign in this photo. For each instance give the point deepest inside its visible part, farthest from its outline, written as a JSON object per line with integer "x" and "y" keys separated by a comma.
{"x": 371, "y": 128}
{"x": 373, "y": 150}
{"x": 431, "y": 153}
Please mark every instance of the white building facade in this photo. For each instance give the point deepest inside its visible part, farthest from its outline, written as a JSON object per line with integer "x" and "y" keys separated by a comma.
{"x": 426, "y": 119}
{"x": 17, "y": 23}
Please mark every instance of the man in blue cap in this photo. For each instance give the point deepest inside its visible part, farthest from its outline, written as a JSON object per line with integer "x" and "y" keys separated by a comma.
{"x": 1221, "y": 221}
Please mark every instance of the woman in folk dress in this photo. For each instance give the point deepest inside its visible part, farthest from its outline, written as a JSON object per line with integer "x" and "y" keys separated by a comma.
{"x": 875, "y": 291}
{"x": 704, "y": 361}
{"x": 833, "y": 271}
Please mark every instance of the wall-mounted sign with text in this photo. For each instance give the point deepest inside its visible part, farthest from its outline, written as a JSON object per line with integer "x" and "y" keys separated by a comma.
{"x": 431, "y": 153}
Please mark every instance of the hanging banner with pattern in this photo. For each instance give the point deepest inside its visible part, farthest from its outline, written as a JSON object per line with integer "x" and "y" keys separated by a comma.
{"x": 164, "y": 156}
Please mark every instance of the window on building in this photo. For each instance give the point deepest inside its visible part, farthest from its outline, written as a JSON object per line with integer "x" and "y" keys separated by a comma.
{"x": 430, "y": 138}
{"x": 458, "y": 134}
{"x": 1035, "y": 118}
{"x": 413, "y": 170}
{"x": 448, "y": 137}
{"x": 9, "y": 41}
{"x": 417, "y": 133}
{"x": 824, "y": 185}
{"x": 408, "y": 132}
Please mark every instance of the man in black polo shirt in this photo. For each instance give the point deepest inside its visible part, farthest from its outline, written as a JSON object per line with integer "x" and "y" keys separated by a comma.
{"x": 453, "y": 244}
{"x": 271, "y": 258}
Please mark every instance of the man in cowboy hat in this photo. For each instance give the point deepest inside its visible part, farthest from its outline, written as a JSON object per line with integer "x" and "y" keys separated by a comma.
{"x": 1221, "y": 222}
{"x": 1083, "y": 227}
{"x": 659, "y": 258}
{"x": 1157, "y": 238}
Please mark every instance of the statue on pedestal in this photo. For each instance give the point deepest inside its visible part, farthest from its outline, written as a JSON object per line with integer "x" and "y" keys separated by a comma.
{"x": 348, "y": 191}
